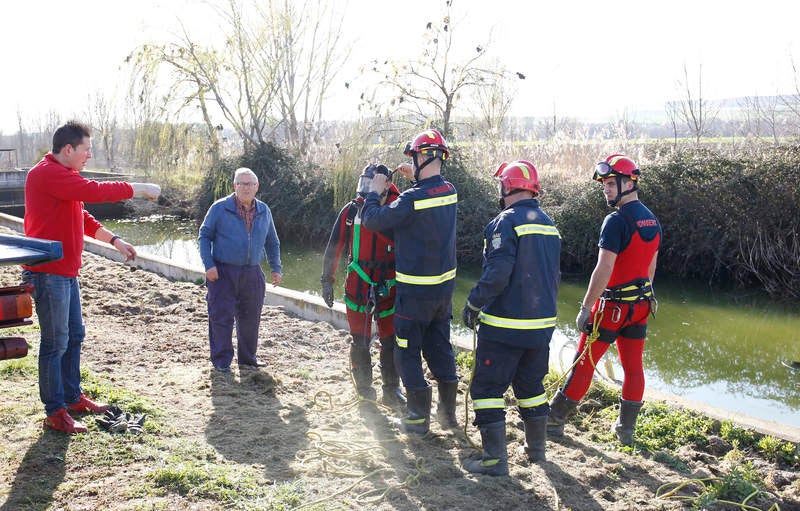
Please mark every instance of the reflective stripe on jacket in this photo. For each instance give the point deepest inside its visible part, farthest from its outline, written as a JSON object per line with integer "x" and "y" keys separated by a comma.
{"x": 423, "y": 221}
{"x": 518, "y": 288}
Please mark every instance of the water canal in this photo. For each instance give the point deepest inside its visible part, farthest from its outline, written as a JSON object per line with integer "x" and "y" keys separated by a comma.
{"x": 724, "y": 349}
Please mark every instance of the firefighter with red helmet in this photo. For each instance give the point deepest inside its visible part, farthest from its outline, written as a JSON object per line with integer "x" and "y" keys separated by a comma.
{"x": 423, "y": 221}
{"x": 619, "y": 298}
{"x": 369, "y": 289}
{"x": 514, "y": 306}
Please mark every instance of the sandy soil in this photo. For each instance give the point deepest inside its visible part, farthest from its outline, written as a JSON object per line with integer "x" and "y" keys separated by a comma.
{"x": 296, "y": 419}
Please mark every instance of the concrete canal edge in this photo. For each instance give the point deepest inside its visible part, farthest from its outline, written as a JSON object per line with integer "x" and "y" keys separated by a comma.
{"x": 312, "y": 308}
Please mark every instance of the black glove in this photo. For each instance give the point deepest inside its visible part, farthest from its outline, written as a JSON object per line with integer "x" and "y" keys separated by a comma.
{"x": 470, "y": 315}
{"x": 583, "y": 320}
{"x": 135, "y": 423}
{"x": 114, "y": 420}
{"x": 327, "y": 291}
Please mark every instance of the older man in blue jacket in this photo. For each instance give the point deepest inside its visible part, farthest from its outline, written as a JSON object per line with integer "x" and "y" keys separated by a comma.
{"x": 236, "y": 233}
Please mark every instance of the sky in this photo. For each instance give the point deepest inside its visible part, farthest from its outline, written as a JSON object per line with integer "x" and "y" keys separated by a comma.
{"x": 586, "y": 59}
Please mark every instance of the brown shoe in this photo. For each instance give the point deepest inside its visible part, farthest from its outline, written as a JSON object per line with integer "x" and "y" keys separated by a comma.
{"x": 86, "y": 405}
{"x": 63, "y": 422}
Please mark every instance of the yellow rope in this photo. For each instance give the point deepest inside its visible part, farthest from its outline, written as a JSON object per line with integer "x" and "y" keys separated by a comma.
{"x": 703, "y": 483}
{"x": 335, "y": 457}
{"x": 590, "y": 339}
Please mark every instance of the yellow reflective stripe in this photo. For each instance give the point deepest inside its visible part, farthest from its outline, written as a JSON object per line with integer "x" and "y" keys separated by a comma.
{"x": 524, "y": 169}
{"x": 401, "y": 343}
{"x": 485, "y": 404}
{"x": 415, "y": 421}
{"x": 435, "y": 202}
{"x": 532, "y": 402}
{"x": 632, "y": 298}
{"x": 546, "y": 230}
{"x": 517, "y": 324}
{"x": 425, "y": 280}
{"x": 634, "y": 287}
{"x": 490, "y": 463}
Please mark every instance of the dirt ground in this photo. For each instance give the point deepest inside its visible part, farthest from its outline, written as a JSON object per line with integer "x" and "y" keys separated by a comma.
{"x": 295, "y": 420}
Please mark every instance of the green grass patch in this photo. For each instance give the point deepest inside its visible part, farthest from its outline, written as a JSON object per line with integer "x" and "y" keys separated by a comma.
{"x": 465, "y": 360}
{"x": 778, "y": 450}
{"x": 662, "y": 427}
{"x": 230, "y": 485}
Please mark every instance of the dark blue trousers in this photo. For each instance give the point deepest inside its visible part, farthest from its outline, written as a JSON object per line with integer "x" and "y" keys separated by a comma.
{"x": 499, "y": 365}
{"x": 236, "y": 297}
{"x": 422, "y": 329}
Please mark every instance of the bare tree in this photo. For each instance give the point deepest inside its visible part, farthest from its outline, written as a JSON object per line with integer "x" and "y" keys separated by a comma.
{"x": 792, "y": 101}
{"x": 494, "y": 102}
{"x": 272, "y": 72}
{"x": 672, "y": 108}
{"x": 310, "y": 40}
{"x": 103, "y": 118}
{"x": 427, "y": 90}
{"x": 693, "y": 108}
{"x": 624, "y": 126}
{"x": 763, "y": 110}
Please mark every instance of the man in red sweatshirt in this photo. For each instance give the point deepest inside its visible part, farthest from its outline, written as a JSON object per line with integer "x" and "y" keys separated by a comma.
{"x": 54, "y": 197}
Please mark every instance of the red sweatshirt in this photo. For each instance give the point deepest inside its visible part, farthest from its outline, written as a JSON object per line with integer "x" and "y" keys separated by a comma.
{"x": 54, "y": 197}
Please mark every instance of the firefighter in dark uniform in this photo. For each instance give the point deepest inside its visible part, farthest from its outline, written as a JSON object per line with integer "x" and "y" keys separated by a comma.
{"x": 369, "y": 289}
{"x": 515, "y": 304}
{"x": 423, "y": 221}
{"x": 620, "y": 297}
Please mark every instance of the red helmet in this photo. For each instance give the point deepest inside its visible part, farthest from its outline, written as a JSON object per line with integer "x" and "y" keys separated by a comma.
{"x": 519, "y": 175}
{"x": 616, "y": 165}
{"x": 430, "y": 143}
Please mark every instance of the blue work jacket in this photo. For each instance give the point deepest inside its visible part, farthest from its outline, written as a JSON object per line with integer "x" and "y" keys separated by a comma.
{"x": 518, "y": 288}
{"x": 423, "y": 221}
{"x": 224, "y": 237}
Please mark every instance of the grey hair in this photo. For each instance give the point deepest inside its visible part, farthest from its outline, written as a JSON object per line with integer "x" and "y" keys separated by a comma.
{"x": 244, "y": 171}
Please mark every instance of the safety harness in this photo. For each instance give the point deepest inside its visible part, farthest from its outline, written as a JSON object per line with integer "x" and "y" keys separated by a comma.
{"x": 376, "y": 289}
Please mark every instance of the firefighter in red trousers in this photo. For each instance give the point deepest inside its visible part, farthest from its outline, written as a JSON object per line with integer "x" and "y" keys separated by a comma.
{"x": 369, "y": 289}
{"x": 620, "y": 296}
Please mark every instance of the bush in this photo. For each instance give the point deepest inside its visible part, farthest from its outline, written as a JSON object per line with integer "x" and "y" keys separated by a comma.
{"x": 578, "y": 210}
{"x": 730, "y": 222}
{"x": 295, "y": 192}
{"x": 477, "y": 206}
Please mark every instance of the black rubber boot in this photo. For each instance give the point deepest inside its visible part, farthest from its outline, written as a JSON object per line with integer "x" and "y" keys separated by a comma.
{"x": 390, "y": 379}
{"x": 418, "y": 420}
{"x": 535, "y": 437}
{"x": 361, "y": 365}
{"x": 446, "y": 409}
{"x": 495, "y": 458}
{"x": 626, "y": 422}
{"x": 560, "y": 409}
{"x": 392, "y": 395}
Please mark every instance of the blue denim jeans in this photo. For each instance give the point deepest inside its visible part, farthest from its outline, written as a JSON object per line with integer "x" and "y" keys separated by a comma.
{"x": 58, "y": 307}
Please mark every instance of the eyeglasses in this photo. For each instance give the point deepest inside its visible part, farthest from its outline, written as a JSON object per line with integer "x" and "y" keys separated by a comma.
{"x": 246, "y": 185}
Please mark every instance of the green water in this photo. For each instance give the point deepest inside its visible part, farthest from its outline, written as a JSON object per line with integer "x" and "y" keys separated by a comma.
{"x": 724, "y": 349}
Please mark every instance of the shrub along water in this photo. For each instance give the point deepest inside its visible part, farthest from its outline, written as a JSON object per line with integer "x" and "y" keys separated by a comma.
{"x": 301, "y": 196}
{"x": 296, "y": 192}
{"x": 732, "y": 221}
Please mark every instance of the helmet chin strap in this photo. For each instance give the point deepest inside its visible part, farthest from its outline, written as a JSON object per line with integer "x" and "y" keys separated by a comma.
{"x": 418, "y": 168}
{"x": 502, "y": 200}
{"x": 620, "y": 194}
